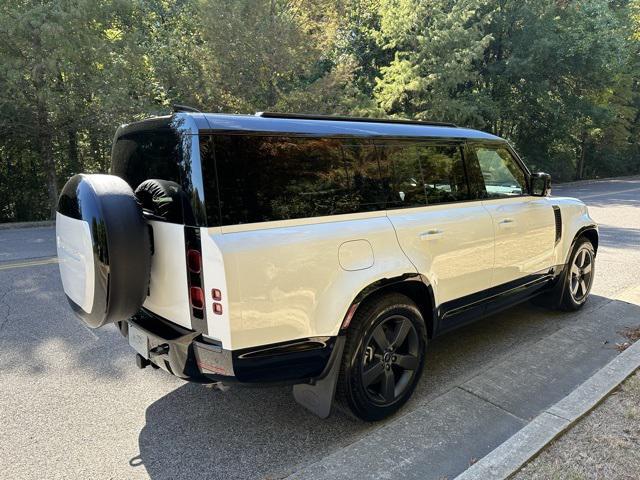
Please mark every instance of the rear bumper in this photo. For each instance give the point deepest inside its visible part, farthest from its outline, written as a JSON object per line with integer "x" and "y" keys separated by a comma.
{"x": 188, "y": 355}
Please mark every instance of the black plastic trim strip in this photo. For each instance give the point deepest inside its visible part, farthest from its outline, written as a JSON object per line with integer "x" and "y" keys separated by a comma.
{"x": 558, "y": 219}
{"x": 592, "y": 227}
{"x": 467, "y": 309}
{"x": 294, "y": 361}
{"x": 427, "y": 303}
{"x": 456, "y": 307}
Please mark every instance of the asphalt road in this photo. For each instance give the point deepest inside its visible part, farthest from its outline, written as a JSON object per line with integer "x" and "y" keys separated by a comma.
{"x": 73, "y": 404}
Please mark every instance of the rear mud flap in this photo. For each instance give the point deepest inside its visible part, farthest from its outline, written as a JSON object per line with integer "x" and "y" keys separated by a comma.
{"x": 318, "y": 397}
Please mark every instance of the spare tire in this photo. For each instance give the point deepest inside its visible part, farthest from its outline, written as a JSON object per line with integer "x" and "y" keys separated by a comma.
{"x": 103, "y": 249}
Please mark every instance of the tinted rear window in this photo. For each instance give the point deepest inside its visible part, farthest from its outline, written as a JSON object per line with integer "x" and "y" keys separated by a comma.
{"x": 139, "y": 156}
{"x": 268, "y": 178}
{"x": 164, "y": 158}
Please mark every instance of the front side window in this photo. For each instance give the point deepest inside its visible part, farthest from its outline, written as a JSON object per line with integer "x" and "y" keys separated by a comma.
{"x": 502, "y": 175}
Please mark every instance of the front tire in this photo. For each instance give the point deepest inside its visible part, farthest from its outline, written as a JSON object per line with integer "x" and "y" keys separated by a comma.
{"x": 579, "y": 276}
{"x": 383, "y": 357}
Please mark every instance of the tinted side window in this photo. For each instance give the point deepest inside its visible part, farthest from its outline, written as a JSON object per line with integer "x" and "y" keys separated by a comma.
{"x": 426, "y": 174}
{"x": 502, "y": 175}
{"x": 266, "y": 178}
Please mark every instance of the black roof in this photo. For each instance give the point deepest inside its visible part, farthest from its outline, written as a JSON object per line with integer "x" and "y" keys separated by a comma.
{"x": 305, "y": 125}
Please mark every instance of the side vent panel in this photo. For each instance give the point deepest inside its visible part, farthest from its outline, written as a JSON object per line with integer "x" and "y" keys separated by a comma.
{"x": 558, "y": 216}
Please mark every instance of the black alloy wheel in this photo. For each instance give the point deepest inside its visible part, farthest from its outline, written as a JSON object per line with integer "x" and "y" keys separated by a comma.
{"x": 390, "y": 359}
{"x": 383, "y": 357}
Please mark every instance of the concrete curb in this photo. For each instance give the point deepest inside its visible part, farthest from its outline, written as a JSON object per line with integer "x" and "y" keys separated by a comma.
{"x": 515, "y": 452}
{"x": 9, "y": 226}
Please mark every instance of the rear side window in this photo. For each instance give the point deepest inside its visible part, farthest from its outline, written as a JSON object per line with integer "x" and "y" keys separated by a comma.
{"x": 277, "y": 178}
{"x": 268, "y": 178}
{"x": 426, "y": 174}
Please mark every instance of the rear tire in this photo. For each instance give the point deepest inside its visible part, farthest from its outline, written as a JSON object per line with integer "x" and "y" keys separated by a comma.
{"x": 383, "y": 357}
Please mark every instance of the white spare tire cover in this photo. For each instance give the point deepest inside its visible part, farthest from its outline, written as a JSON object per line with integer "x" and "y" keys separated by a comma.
{"x": 104, "y": 249}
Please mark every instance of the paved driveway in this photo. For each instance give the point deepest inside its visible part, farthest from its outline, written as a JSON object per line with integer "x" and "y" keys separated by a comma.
{"x": 73, "y": 405}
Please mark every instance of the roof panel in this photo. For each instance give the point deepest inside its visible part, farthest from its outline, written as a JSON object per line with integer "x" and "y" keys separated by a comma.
{"x": 230, "y": 123}
{"x": 299, "y": 126}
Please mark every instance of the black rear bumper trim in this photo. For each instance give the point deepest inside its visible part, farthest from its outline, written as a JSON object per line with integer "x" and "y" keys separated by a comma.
{"x": 188, "y": 355}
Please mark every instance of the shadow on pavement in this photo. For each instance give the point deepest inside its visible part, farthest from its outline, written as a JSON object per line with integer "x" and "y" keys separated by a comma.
{"x": 255, "y": 433}
{"x": 39, "y": 333}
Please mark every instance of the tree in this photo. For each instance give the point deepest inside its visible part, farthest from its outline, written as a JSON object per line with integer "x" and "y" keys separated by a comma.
{"x": 559, "y": 79}
{"x": 422, "y": 81}
{"x": 58, "y": 58}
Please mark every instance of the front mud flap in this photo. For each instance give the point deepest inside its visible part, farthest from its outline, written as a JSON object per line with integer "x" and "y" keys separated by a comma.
{"x": 317, "y": 397}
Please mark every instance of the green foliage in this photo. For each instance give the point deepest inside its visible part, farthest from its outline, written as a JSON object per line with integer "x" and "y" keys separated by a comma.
{"x": 559, "y": 79}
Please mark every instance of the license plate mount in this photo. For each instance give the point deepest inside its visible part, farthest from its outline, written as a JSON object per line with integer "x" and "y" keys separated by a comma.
{"x": 139, "y": 341}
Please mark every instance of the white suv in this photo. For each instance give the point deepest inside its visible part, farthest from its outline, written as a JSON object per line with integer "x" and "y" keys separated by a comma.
{"x": 323, "y": 252}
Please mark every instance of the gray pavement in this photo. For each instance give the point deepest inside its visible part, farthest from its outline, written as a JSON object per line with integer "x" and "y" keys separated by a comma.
{"x": 73, "y": 405}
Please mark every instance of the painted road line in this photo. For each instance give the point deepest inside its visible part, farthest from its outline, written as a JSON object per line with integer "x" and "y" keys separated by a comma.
{"x": 29, "y": 263}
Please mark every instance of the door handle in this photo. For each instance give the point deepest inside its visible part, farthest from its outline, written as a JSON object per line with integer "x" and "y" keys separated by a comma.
{"x": 431, "y": 234}
{"x": 505, "y": 221}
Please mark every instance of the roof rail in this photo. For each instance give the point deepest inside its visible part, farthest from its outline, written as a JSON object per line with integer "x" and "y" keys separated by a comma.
{"x": 305, "y": 116}
{"x": 184, "y": 108}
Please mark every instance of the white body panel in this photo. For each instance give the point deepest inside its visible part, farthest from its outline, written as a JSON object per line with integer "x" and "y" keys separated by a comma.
{"x": 75, "y": 257}
{"x": 168, "y": 291}
{"x": 524, "y": 236}
{"x": 451, "y": 244}
{"x": 285, "y": 280}
{"x": 574, "y": 217}
{"x": 215, "y": 268}
{"x": 296, "y": 278}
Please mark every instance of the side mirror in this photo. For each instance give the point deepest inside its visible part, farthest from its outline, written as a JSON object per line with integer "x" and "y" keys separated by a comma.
{"x": 540, "y": 184}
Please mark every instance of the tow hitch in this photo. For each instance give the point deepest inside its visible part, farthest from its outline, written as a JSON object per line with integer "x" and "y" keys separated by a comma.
{"x": 141, "y": 362}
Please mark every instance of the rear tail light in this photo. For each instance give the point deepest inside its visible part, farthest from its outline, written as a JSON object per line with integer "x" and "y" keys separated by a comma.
{"x": 197, "y": 297}
{"x": 194, "y": 261}
{"x": 216, "y": 294}
{"x": 217, "y": 308}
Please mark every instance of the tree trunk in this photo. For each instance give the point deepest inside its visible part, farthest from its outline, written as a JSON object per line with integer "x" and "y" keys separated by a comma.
{"x": 45, "y": 147}
{"x": 96, "y": 153}
{"x": 583, "y": 151}
{"x": 74, "y": 157}
{"x": 271, "y": 87}
{"x": 44, "y": 133}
